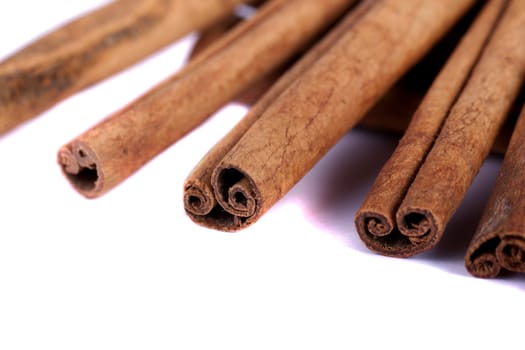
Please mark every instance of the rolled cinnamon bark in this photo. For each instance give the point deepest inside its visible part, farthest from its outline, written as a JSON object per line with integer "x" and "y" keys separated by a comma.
{"x": 499, "y": 241}
{"x": 468, "y": 133}
{"x": 94, "y": 47}
{"x": 199, "y": 200}
{"x": 321, "y": 105}
{"x": 464, "y": 140}
{"x": 376, "y": 219}
{"x": 105, "y": 155}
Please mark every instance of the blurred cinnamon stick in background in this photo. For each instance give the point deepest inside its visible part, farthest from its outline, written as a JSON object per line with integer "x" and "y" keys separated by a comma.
{"x": 329, "y": 98}
{"x": 375, "y": 220}
{"x": 94, "y": 47}
{"x": 105, "y": 155}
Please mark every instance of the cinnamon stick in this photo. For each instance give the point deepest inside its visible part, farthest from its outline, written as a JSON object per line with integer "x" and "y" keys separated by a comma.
{"x": 105, "y": 155}
{"x": 199, "y": 198}
{"x": 468, "y": 133}
{"x": 375, "y": 220}
{"x": 499, "y": 241}
{"x": 463, "y": 143}
{"x": 94, "y": 47}
{"x": 323, "y": 103}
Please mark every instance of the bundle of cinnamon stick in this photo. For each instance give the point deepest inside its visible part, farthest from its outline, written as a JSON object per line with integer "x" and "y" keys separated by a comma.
{"x": 310, "y": 70}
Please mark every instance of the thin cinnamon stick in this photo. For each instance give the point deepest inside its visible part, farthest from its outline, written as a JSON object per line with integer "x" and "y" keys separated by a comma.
{"x": 319, "y": 107}
{"x": 105, "y": 155}
{"x": 376, "y": 219}
{"x": 94, "y": 47}
{"x": 499, "y": 241}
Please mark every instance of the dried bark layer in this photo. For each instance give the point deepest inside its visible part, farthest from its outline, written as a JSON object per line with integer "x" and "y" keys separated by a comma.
{"x": 468, "y": 133}
{"x": 126, "y": 140}
{"x": 376, "y": 219}
{"x": 199, "y": 198}
{"x": 94, "y": 47}
{"x": 394, "y": 111}
{"x": 323, "y": 103}
{"x": 499, "y": 241}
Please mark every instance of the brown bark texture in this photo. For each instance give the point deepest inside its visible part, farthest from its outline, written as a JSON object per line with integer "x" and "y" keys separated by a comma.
{"x": 427, "y": 177}
{"x": 376, "y": 219}
{"x": 321, "y": 105}
{"x": 94, "y": 47}
{"x": 394, "y": 111}
{"x": 499, "y": 241}
{"x": 108, "y": 153}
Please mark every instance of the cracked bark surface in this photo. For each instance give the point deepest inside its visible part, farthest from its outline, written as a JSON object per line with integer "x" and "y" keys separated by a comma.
{"x": 414, "y": 229}
{"x": 326, "y": 100}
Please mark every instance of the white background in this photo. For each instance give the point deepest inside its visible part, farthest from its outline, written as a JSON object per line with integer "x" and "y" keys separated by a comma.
{"x": 131, "y": 271}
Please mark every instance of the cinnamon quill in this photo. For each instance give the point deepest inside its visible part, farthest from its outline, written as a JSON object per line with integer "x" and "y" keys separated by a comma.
{"x": 375, "y": 220}
{"x": 424, "y": 182}
{"x": 321, "y": 105}
{"x": 105, "y": 155}
{"x": 499, "y": 241}
{"x": 94, "y": 47}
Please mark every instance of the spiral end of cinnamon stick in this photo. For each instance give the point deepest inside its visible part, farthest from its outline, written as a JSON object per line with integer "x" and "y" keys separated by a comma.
{"x": 485, "y": 266}
{"x": 80, "y": 166}
{"x": 419, "y": 226}
{"x": 373, "y": 224}
{"x": 382, "y": 235}
{"x": 511, "y": 254}
{"x": 198, "y": 199}
{"x": 481, "y": 260}
{"x": 237, "y": 196}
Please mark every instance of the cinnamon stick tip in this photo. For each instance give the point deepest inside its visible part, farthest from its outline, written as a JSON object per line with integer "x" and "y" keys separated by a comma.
{"x": 198, "y": 199}
{"x": 511, "y": 253}
{"x": 416, "y": 223}
{"x": 373, "y": 224}
{"x": 236, "y": 192}
{"x": 484, "y": 266}
{"x": 80, "y": 166}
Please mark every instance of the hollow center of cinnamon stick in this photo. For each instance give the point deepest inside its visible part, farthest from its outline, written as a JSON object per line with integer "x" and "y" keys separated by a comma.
{"x": 85, "y": 179}
{"x": 416, "y": 224}
{"x": 514, "y": 255}
{"x": 195, "y": 202}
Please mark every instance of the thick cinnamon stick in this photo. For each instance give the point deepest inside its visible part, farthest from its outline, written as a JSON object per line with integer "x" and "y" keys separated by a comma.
{"x": 468, "y": 133}
{"x": 105, "y": 155}
{"x": 199, "y": 199}
{"x": 465, "y": 139}
{"x": 319, "y": 107}
{"x": 375, "y": 220}
{"x": 499, "y": 241}
{"x": 94, "y": 47}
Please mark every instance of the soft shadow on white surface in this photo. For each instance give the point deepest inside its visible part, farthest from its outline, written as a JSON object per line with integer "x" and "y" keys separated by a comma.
{"x": 332, "y": 192}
